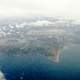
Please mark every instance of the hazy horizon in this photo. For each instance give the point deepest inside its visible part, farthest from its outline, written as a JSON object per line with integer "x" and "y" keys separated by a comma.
{"x": 60, "y": 8}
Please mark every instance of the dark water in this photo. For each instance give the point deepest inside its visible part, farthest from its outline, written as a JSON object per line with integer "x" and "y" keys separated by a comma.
{"x": 37, "y": 67}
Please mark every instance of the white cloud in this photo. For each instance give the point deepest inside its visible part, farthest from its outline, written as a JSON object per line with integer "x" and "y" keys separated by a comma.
{"x": 2, "y": 76}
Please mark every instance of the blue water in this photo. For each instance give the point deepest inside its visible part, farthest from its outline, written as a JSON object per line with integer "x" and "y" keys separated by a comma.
{"x": 38, "y": 67}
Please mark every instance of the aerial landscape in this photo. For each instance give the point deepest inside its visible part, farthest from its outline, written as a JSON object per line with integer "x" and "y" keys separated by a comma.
{"x": 46, "y": 35}
{"x": 39, "y": 40}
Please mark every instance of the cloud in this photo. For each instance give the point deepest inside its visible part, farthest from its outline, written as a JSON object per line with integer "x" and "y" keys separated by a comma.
{"x": 2, "y": 76}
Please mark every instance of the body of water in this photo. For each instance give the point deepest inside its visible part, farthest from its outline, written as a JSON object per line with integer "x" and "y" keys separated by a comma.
{"x": 38, "y": 67}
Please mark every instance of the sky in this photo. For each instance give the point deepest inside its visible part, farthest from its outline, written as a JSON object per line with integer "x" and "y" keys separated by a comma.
{"x": 59, "y": 8}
